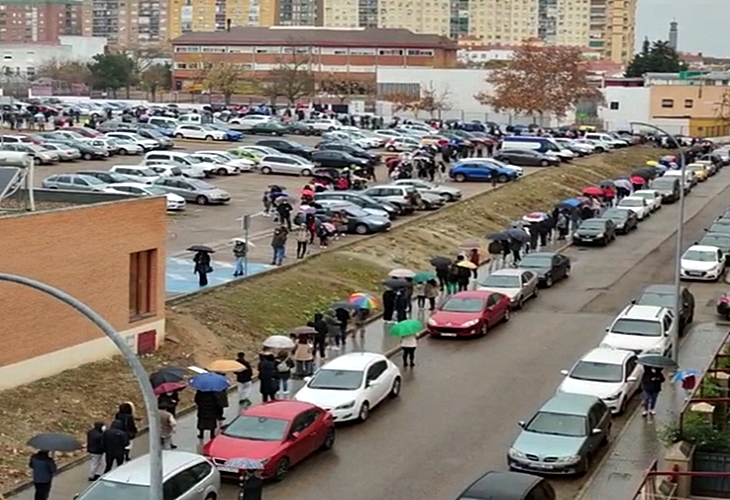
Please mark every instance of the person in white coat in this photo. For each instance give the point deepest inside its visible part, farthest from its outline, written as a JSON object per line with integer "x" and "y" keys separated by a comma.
{"x": 408, "y": 345}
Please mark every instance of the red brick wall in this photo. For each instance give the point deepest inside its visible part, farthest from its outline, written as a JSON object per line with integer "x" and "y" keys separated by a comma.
{"x": 84, "y": 251}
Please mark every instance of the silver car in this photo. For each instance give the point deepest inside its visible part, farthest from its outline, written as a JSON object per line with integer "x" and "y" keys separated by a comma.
{"x": 447, "y": 192}
{"x": 517, "y": 284}
{"x": 187, "y": 476}
{"x": 285, "y": 164}
{"x": 193, "y": 190}
{"x": 65, "y": 153}
{"x": 41, "y": 156}
{"x": 76, "y": 182}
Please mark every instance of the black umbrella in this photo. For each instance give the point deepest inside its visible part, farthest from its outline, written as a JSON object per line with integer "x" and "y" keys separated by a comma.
{"x": 441, "y": 261}
{"x": 498, "y": 236}
{"x": 395, "y": 283}
{"x": 200, "y": 248}
{"x": 626, "y": 177}
{"x": 607, "y": 183}
{"x": 518, "y": 234}
{"x": 54, "y": 442}
{"x": 343, "y": 305}
{"x": 643, "y": 173}
{"x": 167, "y": 375}
{"x": 656, "y": 361}
{"x": 303, "y": 330}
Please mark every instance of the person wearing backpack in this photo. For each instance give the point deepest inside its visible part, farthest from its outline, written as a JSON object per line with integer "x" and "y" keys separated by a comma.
{"x": 284, "y": 365}
{"x": 452, "y": 279}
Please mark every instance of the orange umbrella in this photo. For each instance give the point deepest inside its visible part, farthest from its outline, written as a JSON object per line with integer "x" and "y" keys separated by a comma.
{"x": 225, "y": 365}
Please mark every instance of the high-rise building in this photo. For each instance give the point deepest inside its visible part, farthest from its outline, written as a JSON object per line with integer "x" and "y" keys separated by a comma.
{"x": 299, "y": 12}
{"x": 39, "y": 20}
{"x": 673, "y": 34}
{"x": 187, "y": 16}
{"x": 127, "y": 23}
{"x": 613, "y": 28}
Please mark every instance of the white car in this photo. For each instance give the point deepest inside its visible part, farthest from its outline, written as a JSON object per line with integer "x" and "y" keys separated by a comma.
{"x": 598, "y": 146}
{"x": 286, "y": 164}
{"x": 126, "y": 147}
{"x": 141, "y": 174}
{"x": 145, "y": 144}
{"x": 174, "y": 202}
{"x": 702, "y": 262}
{"x": 402, "y": 144}
{"x": 199, "y": 132}
{"x": 388, "y": 133}
{"x": 447, "y": 192}
{"x": 351, "y": 385}
{"x": 636, "y": 204}
{"x": 566, "y": 143}
{"x": 361, "y": 137}
{"x": 248, "y": 121}
{"x": 222, "y": 166}
{"x": 519, "y": 285}
{"x": 641, "y": 329}
{"x": 612, "y": 375}
{"x": 326, "y": 124}
{"x": 105, "y": 143}
{"x": 242, "y": 164}
{"x": 652, "y": 197}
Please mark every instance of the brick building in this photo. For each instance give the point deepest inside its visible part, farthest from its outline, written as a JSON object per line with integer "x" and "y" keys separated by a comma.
{"x": 39, "y": 20}
{"x": 110, "y": 256}
{"x": 354, "y": 54}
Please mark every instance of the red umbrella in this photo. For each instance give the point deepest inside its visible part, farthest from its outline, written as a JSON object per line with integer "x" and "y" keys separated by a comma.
{"x": 169, "y": 387}
{"x": 593, "y": 191}
{"x": 306, "y": 192}
{"x": 638, "y": 180}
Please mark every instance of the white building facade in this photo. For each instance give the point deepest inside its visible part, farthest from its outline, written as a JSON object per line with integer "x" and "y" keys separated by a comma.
{"x": 24, "y": 59}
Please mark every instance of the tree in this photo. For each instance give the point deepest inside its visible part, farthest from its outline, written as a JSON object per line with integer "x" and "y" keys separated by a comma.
{"x": 434, "y": 101}
{"x": 403, "y": 101}
{"x": 540, "y": 80}
{"x": 225, "y": 78}
{"x": 66, "y": 71}
{"x": 155, "y": 77}
{"x": 292, "y": 78}
{"x": 657, "y": 57}
{"x": 344, "y": 88}
{"x": 722, "y": 107}
{"x": 112, "y": 71}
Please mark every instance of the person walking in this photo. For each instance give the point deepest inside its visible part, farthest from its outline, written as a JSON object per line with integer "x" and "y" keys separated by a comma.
{"x": 95, "y": 449}
{"x": 43, "y": 467}
{"x": 169, "y": 401}
{"x": 408, "y": 345}
{"x": 401, "y": 305}
{"x": 115, "y": 444}
{"x": 126, "y": 416}
{"x": 243, "y": 380}
{"x": 284, "y": 365}
{"x": 320, "y": 338}
{"x": 202, "y": 267}
{"x": 431, "y": 291}
{"x": 562, "y": 225}
{"x": 303, "y": 357}
{"x": 452, "y": 279}
{"x": 278, "y": 245}
{"x": 388, "y": 305}
{"x": 207, "y": 411}
{"x": 333, "y": 329}
{"x": 419, "y": 290}
{"x": 651, "y": 386}
{"x": 359, "y": 319}
{"x": 266, "y": 202}
{"x": 239, "y": 252}
{"x": 302, "y": 236}
{"x": 167, "y": 428}
{"x": 284, "y": 210}
{"x": 268, "y": 384}
{"x": 344, "y": 318}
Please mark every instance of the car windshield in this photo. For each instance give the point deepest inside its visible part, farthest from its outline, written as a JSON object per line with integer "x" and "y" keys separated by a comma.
{"x": 457, "y": 304}
{"x": 193, "y": 159}
{"x": 557, "y": 424}
{"x": 592, "y": 224}
{"x": 92, "y": 180}
{"x": 226, "y": 155}
{"x": 155, "y": 190}
{"x": 642, "y": 328}
{"x": 355, "y": 212}
{"x": 614, "y": 214}
{"x": 209, "y": 159}
{"x": 657, "y": 299}
{"x": 700, "y": 255}
{"x": 336, "y": 380}
{"x": 645, "y": 195}
{"x": 696, "y": 168}
{"x": 104, "y": 490}
{"x": 202, "y": 185}
{"x": 146, "y": 172}
{"x": 501, "y": 281}
{"x": 719, "y": 228}
{"x": 715, "y": 241}
{"x": 257, "y": 428}
{"x": 536, "y": 262}
{"x": 628, "y": 202}
{"x": 597, "y": 372}
{"x": 662, "y": 183}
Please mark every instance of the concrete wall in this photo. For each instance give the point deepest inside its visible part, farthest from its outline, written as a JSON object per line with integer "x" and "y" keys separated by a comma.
{"x": 631, "y": 105}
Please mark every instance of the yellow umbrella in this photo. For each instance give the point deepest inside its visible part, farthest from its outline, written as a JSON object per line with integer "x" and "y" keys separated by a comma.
{"x": 467, "y": 264}
{"x": 225, "y": 365}
{"x": 652, "y": 163}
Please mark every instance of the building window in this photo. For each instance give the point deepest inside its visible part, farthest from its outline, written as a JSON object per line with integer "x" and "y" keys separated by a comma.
{"x": 614, "y": 105}
{"x": 667, "y": 103}
{"x": 213, "y": 49}
{"x": 268, "y": 50}
{"x": 187, "y": 48}
{"x": 390, "y": 52}
{"x": 418, "y": 52}
{"x": 688, "y": 103}
{"x": 142, "y": 289}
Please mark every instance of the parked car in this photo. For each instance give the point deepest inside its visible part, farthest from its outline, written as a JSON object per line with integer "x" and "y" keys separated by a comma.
{"x": 65, "y": 153}
{"x": 481, "y": 171}
{"x": 702, "y": 263}
{"x": 222, "y": 167}
{"x": 641, "y": 328}
{"x": 87, "y": 151}
{"x": 599, "y": 230}
{"x": 174, "y": 202}
{"x": 526, "y": 158}
{"x": 719, "y": 240}
{"x": 519, "y": 285}
{"x": 285, "y": 164}
{"x": 624, "y": 220}
{"x": 666, "y": 296}
{"x": 667, "y": 187}
{"x": 652, "y": 196}
{"x": 327, "y": 124}
{"x": 107, "y": 177}
{"x": 470, "y": 313}
{"x": 40, "y": 155}
{"x": 498, "y": 485}
{"x": 157, "y": 135}
{"x": 248, "y": 121}
{"x": 357, "y": 198}
{"x": 279, "y": 433}
{"x": 549, "y": 266}
{"x": 139, "y": 173}
{"x": 287, "y": 147}
{"x": 337, "y": 159}
{"x": 402, "y": 144}
{"x": 193, "y": 190}
{"x": 612, "y": 375}
{"x": 199, "y": 132}
{"x": 125, "y": 146}
{"x": 145, "y": 144}
{"x": 76, "y": 182}
{"x": 190, "y": 166}
{"x": 519, "y": 171}
{"x": 356, "y": 151}
{"x": 351, "y": 385}
{"x": 301, "y": 127}
{"x": 700, "y": 171}
{"x": 329, "y": 206}
{"x": 563, "y": 437}
{"x": 446, "y": 192}
{"x": 268, "y": 128}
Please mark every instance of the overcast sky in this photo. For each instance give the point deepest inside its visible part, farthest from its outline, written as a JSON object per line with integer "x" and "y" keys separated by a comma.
{"x": 703, "y": 24}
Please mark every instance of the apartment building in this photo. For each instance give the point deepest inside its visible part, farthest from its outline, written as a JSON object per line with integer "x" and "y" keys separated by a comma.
{"x": 613, "y": 28}
{"x": 187, "y": 16}
{"x": 127, "y": 23}
{"x": 39, "y": 21}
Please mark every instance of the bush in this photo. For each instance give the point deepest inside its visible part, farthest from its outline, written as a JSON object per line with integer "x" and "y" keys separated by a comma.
{"x": 698, "y": 431}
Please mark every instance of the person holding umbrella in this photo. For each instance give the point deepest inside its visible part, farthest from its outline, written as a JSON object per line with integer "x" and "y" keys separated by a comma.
{"x": 201, "y": 259}
{"x": 651, "y": 386}
{"x": 408, "y": 330}
{"x": 207, "y": 401}
{"x": 43, "y": 467}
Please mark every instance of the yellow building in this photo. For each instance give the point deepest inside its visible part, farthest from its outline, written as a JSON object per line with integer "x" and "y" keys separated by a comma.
{"x": 613, "y": 28}
{"x": 186, "y": 16}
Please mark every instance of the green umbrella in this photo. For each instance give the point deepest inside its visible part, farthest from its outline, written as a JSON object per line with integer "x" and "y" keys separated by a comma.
{"x": 406, "y": 328}
{"x": 423, "y": 276}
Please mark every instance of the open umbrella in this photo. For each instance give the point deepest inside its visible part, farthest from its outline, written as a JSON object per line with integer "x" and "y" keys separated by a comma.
{"x": 498, "y": 236}
{"x": 169, "y": 387}
{"x": 395, "y": 283}
{"x": 624, "y": 183}
{"x": 168, "y": 374}
{"x": 225, "y": 366}
{"x": 406, "y": 328}
{"x": 244, "y": 464}
{"x": 306, "y": 192}
{"x": 570, "y": 203}
{"x": 303, "y": 330}
{"x": 343, "y": 305}
{"x": 656, "y": 361}
{"x": 401, "y": 273}
{"x": 518, "y": 234}
{"x": 200, "y": 248}
{"x": 363, "y": 300}
{"x": 635, "y": 179}
{"x": 470, "y": 244}
{"x": 535, "y": 217}
{"x": 329, "y": 227}
{"x": 279, "y": 342}
{"x": 209, "y": 382}
{"x": 607, "y": 183}
{"x": 307, "y": 209}
{"x": 652, "y": 163}
{"x": 423, "y": 276}
{"x": 593, "y": 191}
{"x": 241, "y": 239}
{"x": 466, "y": 264}
{"x": 52, "y": 441}
{"x": 440, "y": 261}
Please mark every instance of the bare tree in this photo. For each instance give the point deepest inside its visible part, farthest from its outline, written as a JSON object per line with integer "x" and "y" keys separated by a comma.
{"x": 225, "y": 78}
{"x": 292, "y": 78}
{"x": 434, "y": 101}
{"x": 156, "y": 77}
{"x": 345, "y": 88}
{"x": 67, "y": 71}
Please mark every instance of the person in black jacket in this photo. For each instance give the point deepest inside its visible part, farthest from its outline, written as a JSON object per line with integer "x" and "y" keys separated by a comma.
{"x": 388, "y": 305}
{"x": 116, "y": 441}
{"x": 126, "y": 416}
{"x": 268, "y": 383}
{"x": 651, "y": 386}
{"x": 401, "y": 305}
{"x": 209, "y": 409}
{"x": 344, "y": 318}
{"x": 43, "y": 467}
{"x": 320, "y": 338}
{"x": 169, "y": 401}
{"x": 243, "y": 379}
{"x": 95, "y": 449}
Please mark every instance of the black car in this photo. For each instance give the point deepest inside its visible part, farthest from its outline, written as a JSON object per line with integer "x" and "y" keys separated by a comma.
{"x": 549, "y": 266}
{"x": 337, "y": 159}
{"x": 625, "y": 220}
{"x": 719, "y": 240}
{"x": 601, "y": 231}
{"x": 665, "y": 296}
{"x": 526, "y": 158}
{"x": 361, "y": 200}
{"x": 357, "y": 221}
{"x": 355, "y": 151}
{"x": 162, "y": 140}
{"x": 496, "y": 485}
{"x": 287, "y": 147}
{"x": 668, "y": 188}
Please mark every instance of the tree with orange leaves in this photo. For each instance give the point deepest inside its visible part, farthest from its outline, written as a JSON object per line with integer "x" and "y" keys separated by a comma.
{"x": 540, "y": 81}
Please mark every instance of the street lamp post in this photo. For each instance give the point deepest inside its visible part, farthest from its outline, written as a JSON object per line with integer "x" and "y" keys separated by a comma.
{"x": 140, "y": 373}
{"x": 680, "y": 234}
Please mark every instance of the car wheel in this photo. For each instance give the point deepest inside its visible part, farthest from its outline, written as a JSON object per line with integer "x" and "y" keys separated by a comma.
{"x": 395, "y": 390}
{"x": 330, "y": 129}
{"x": 459, "y": 177}
{"x": 307, "y": 173}
{"x": 390, "y": 148}
{"x": 208, "y": 138}
{"x": 211, "y": 497}
{"x": 179, "y": 136}
{"x": 329, "y": 439}
{"x": 449, "y": 197}
{"x": 536, "y": 293}
{"x": 585, "y": 465}
{"x": 507, "y": 314}
{"x": 600, "y": 150}
{"x": 520, "y": 303}
{"x": 364, "y": 412}
{"x": 548, "y": 281}
{"x": 361, "y": 229}
{"x": 282, "y": 468}
{"x": 201, "y": 200}
{"x": 502, "y": 178}
{"x": 485, "y": 329}
{"x": 221, "y": 171}
{"x": 87, "y": 156}
{"x": 265, "y": 170}
{"x": 544, "y": 163}
{"x": 123, "y": 152}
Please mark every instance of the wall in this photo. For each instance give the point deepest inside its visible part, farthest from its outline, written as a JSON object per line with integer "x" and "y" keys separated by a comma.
{"x": 689, "y": 101}
{"x": 21, "y": 57}
{"x": 632, "y": 103}
{"x": 84, "y": 251}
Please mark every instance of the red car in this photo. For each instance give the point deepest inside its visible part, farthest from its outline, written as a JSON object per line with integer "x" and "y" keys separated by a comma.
{"x": 279, "y": 433}
{"x": 466, "y": 314}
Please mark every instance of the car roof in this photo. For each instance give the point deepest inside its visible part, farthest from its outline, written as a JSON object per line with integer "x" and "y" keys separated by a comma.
{"x": 501, "y": 484}
{"x": 133, "y": 167}
{"x": 703, "y": 248}
{"x": 540, "y": 254}
{"x": 508, "y": 272}
{"x": 567, "y": 403}
{"x": 607, "y": 355}
{"x": 354, "y": 361}
{"x": 659, "y": 288}
{"x": 632, "y": 198}
{"x": 137, "y": 470}
{"x": 634, "y": 311}
{"x": 278, "y": 409}
{"x": 652, "y": 191}
{"x": 473, "y": 294}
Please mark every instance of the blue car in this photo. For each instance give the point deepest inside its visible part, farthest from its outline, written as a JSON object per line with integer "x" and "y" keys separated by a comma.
{"x": 231, "y": 135}
{"x": 476, "y": 171}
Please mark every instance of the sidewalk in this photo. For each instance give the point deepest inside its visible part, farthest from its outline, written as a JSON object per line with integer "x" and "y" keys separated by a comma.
{"x": 70, "y": 482}
{"x": 621, "y": 472}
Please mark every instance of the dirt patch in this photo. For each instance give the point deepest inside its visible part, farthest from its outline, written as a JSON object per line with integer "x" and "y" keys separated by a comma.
{"x": 238, "y": 317}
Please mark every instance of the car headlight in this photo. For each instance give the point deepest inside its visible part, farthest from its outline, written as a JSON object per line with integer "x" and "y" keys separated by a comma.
{"x": 515, "y": 453}
{"x": 570, "y": 459}
{"x": 470, "y": 323}
{"x": 346, "y": 406}
{"x": 613, "y": 397}
{"x": 432, "y": 322}
{"x": 600, "y": 235}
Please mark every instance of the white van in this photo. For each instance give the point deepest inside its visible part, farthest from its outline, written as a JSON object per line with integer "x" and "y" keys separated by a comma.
{"x": 163, "y": 122}
{"x": 606, "y": 139}
{"x": 544, "y": 145}
{"x": 190, "y": 166}
{"x": 139, "y": 173}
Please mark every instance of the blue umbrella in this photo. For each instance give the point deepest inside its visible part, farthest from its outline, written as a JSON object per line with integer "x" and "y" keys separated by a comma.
{"x": 244, "y": 464}
{"x": 570, "y": 203}
{"x": 518, "y": 234}
{"x": 209, "y": 382}
{"x": 683, "y": 374}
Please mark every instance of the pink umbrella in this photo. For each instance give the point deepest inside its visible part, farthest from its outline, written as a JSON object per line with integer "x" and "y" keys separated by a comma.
{"x": 329, "y": 227}
{"x": 593, "y": 191}
{"x": 638, "y": 180}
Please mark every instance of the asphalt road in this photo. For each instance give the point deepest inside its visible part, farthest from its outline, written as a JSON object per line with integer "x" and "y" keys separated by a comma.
{"x": 459, "y": 408}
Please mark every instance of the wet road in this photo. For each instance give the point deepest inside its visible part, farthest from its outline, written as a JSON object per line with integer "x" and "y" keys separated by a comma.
{"x": 458, "y": 411}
